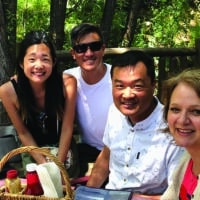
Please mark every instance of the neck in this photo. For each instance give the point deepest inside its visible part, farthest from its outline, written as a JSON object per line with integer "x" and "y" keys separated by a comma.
{"x": 196, "y": 162}
{"x": 145, "y": 114}
{"x": 152, "y": 106}
{"x": 92, "y": 77}
{"x": 196, "y": 168}
{"x": 39, "y": 94}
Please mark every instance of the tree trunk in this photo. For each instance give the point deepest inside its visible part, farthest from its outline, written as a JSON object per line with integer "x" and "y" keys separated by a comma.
{"x": 57, "y": 22}
{"x": 10, "y": 9}
{"x": 134, "y": 10}
{"x": 5, "y": 71}
{"x": 107, "y": 18}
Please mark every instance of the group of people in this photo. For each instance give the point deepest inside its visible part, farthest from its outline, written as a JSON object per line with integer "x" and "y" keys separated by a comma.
{"x": 135, "y": 142}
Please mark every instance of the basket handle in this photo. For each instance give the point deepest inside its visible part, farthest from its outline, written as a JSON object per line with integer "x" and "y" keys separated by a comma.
{"x": 43, "y": 151}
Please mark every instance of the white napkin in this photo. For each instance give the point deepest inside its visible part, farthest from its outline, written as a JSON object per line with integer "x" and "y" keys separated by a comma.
{"x": 50, "y": 179}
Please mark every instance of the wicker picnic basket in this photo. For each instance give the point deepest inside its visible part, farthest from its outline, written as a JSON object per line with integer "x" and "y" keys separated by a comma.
{"x": 44, "y": 151}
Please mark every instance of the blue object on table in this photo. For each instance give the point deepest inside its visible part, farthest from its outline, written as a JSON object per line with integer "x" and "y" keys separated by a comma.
{"x": 89, "y": 193}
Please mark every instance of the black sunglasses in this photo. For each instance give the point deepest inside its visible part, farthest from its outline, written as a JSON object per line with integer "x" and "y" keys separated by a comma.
{"x": 82, "y": 48}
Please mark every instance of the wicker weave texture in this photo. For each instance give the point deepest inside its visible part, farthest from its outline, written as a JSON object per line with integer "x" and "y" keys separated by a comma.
{"x": 45, "y": 152}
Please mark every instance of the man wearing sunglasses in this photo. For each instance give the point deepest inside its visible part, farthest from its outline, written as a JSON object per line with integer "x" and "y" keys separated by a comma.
{"x": 94, "y": 90}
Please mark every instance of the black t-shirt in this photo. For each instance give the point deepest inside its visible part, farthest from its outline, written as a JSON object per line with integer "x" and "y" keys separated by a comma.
{"x": 44, "y": 128}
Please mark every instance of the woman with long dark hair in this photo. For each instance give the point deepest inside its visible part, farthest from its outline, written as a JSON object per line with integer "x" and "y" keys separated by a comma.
{"x": 39, "y": 102}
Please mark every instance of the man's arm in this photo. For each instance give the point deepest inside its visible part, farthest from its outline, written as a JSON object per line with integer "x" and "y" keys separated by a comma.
{"x": 145, "y": 197}
{"x": 100, "y": 170}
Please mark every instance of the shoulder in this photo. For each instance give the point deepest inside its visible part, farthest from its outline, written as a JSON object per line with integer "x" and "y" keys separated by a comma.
{"x": 6, "y": 89}
{"x": 69, "y": 79}
{"x": 108, "y": 65}
{"x": 75, "y": 71}
{"x": 157, "y": 113}
{"x": 7, "y": 94}
{"x": 114, "y": 114}
{"x": 185, "y": 158}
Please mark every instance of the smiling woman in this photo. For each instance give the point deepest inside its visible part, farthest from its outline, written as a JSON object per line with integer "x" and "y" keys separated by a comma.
{"x": 38, "y": 65}
{"x": 39, "y": 118}
{"x": 181, "y": 95}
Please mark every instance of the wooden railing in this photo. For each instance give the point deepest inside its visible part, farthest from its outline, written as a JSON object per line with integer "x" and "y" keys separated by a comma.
{"x": 168, "y": 60}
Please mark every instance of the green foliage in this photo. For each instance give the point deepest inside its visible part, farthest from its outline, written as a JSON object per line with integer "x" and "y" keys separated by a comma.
{"x": 162, "y": 23}
{"x": 119, "y": 23}
{"x": 169, "y": 25}
{"x": 79, "y": 11}
{"x": 32, "y": 14}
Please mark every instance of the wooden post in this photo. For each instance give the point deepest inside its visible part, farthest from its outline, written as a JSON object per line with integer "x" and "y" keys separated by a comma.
{"x": 197, "y": 46}
{"x": 162, "y": 74}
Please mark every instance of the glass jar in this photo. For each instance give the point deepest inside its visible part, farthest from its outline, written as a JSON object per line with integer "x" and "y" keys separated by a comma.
{"x": 33, "y": 183}
{"x": 12, "y": 182}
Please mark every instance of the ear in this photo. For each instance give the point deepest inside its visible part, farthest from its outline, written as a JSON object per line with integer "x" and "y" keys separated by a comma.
{"x": 103, "y": 48}
{"x": 55, "y": 62}
{"x": 73, "y": 54}
{"x": 154, "y": 85}
{"x": 21, "y": 65}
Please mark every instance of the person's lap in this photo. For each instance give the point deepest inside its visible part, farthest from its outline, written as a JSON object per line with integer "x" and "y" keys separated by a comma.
{"x": 87, "y": 154}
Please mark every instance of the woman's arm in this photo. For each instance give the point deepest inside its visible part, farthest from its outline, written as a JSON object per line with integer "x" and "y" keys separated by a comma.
{"x": 100, "y": 170}
{"x": 70, "y": 91}
{"x": 10, "y": 102}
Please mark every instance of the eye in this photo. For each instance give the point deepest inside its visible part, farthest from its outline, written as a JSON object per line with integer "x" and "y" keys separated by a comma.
{"x": 119, "y": 86}
{"x": 174, "y": 110}
{"x": 31, "y": 60}
{"x": 195, "y": 112}
{"x": 138, "y": 87}
{"x": 47, "y": 60}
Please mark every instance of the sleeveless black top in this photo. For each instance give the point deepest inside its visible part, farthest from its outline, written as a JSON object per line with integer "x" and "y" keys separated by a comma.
{"x": 44, "y": 128}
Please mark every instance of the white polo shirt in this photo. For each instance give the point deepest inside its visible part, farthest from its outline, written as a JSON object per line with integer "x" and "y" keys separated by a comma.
{"x": 142, "y": 157}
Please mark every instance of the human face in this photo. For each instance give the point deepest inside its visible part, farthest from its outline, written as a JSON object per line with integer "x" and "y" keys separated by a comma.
{"x": 89, "y": 60}
{"x": 37, "y": 63}
{"x": 133, "y": 91}
{"x": 184, "y": 116}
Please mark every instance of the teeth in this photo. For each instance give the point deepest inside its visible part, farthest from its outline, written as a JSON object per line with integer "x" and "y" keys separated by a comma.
{"x": 129, "y": 103}
{"x": 185, "y": 131}
{"x": 38, "y": 73}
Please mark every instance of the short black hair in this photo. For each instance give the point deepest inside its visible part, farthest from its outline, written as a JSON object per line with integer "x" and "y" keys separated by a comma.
{"x": 83, "y": 29}
{"x": 132, "y": 57}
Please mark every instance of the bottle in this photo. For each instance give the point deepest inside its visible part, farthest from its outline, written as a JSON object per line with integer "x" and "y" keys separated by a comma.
{"x": 12, "y": 182}
{"x": 33, "y": 183}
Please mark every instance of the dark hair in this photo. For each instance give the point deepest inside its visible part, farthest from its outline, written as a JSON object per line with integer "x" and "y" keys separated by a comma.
{"x": 35, "y": 37}
{"x": 132, "y": 58}
{"x": 83, "y": 29}
{"x": 190, "y": 77}
{"x": 54, "y": 84}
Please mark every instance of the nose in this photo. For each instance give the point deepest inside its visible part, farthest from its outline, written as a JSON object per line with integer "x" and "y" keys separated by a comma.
{"x": 88, "y": 51}
{"x": 183, "y": 118}
{"x": 38, "y": 63}
{"x": 128, "y": 93}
